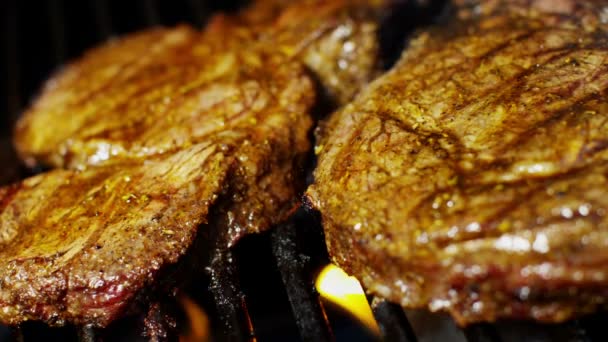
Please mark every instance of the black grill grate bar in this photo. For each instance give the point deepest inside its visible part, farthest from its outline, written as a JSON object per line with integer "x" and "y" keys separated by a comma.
{"x": 102, "y": 19}
{"x": 150, "y": 11}
{"x": 58, "y": 32}
{"x": 295, "y": 272}
{"x": 87, "y": 334}
{"x": 229, "y": 299}
{"x": 13, "y": 73}
{"x": 392, "y": 322}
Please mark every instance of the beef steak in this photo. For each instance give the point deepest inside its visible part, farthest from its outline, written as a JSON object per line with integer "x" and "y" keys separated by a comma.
{"x": 473, "y": 177}
{"x": 159, "y": 133}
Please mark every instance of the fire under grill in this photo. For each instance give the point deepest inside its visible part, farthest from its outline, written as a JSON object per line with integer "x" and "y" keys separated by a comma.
{"x": 263, "y": 289}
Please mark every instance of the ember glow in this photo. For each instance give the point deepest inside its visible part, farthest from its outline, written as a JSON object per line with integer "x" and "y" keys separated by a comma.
{"x": 339, "y": 288}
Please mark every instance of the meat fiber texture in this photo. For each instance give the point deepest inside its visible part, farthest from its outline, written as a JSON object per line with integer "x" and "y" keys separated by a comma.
{"x": 156, "y": 128}
{"x": 472, "y": 178}
{"x": 156, "y": 136}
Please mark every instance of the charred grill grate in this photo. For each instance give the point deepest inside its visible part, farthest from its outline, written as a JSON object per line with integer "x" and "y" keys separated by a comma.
{"x": 273, "y": 270}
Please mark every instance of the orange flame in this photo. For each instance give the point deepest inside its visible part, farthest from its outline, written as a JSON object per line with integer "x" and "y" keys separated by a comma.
{"x": 198, "y": 321}
{"x": 339, "y": 288}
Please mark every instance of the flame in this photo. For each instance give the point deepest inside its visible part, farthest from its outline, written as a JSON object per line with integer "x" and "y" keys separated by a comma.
{"x": 338, "y": 287}
{"x": 198, "y": 321}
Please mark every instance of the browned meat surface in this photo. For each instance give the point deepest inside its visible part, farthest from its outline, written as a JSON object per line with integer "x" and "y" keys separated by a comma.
{"x": 77, "y": 246}
{"x": 154, "y": 92}
{"x": 160, "y": 132}
{"x": 473, "y": 177}
{"x": 143, "y": 96}
{"x": 336, "y": 39}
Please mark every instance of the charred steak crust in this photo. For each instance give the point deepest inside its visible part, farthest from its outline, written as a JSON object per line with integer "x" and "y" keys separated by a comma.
{"x": 78, "y": 245}
{"x": 82, "y": 242}
{"x": 157, "y": 131}
{"x": 472, "y": 178}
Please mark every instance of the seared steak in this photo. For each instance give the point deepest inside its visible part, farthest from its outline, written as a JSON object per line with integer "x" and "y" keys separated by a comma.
{"x": 160, "y": 132}
{"x": 76, "y": 246}
{"x": 473, "y": 177}
{"x": 336, "y": 39}
{"x": 152, "y": 92}
{"x": 79, "y": 245}
{"x": 155, "y": 92}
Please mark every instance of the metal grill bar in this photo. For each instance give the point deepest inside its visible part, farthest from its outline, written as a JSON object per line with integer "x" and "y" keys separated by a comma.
{"x": 392, "y": 322}
{"x": 87, "y": 334}
{"x": 310, "y": 316}
{"x": 229, "y": 299}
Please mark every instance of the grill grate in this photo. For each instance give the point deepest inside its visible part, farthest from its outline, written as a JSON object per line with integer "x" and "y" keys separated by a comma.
{"x": 294, "y": 250}
{"x": 295, "y": 271}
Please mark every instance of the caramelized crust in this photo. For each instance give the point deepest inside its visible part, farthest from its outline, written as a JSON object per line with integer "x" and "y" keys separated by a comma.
{"x": 473, "y": 177}
{"x": 153, "y": 138}
{"x": 75, "y": 245}
{"x": 158, "y": 133}
{"x": 337, "y": 40}
{"x": 158, "y": 91}
{"x": 154, "y": 93}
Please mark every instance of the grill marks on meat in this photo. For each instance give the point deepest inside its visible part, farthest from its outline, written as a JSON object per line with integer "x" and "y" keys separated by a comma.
{"x": 158, "y": 133}
{"x": 337, "y": 39}
{"x": 472, "y": 177}
{"x": 79, "y": 245}
{"x": 161, "y": 90}
{"x": 173, "y": 88}
{"x": 75, "y": 245}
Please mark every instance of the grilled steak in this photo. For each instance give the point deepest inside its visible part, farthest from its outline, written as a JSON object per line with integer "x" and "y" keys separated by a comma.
{"x": 336, "y": 39}
{"x": 77, "y": 245}
{"x": 151, "y": 93}
{"x": 143, "y": 96}
{"x": 473, "y": 177}
{"x": 158, "y": 133}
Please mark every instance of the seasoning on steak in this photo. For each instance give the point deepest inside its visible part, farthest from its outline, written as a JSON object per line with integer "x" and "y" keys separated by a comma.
{"x": 159, "y": 132}
{"x": 473, "y": 177}
{"x": 78, "y": 245}
{"x": 142, "y": 96}
{"x": 337, "y": 40}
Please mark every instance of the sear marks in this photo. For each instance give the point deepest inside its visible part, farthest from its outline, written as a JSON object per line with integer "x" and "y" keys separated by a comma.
{"x": 156, "y": 92}
{"x": 150, "y": 148}
{"x": 337, "y": 40}
{"x": 472, "y": 177}
{"x": 164, "y": 135}
{"x": 76, "y": 245}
